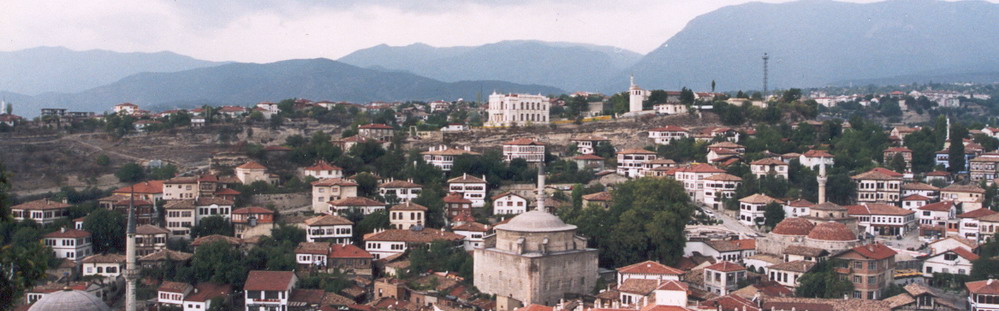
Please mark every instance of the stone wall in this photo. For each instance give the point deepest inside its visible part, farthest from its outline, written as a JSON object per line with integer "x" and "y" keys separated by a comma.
{"x": 282, "y": 201}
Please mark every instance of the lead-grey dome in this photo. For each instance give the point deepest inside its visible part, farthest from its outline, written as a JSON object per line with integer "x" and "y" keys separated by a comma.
{"x": 69, "y": 300}
{"x": 536, "y": 221}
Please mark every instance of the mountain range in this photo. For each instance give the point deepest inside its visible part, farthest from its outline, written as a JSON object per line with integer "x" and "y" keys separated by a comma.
{"x": 570, "y": 66}
{"x": 248, "y": 83}
{"x": 810, "y": 43}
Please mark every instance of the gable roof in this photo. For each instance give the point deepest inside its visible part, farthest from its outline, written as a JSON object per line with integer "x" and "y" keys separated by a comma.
{"x": 269, "y": 280}
{"x": 425, "y": 235}
{"x": 978, "y": 213}
{"x": 877, "y": 209}
{"x": 327, "y": 220}
{"x": 758, "y": 198}
{"x": 524, "y": 142}
{"x": 408, "y": 206}
{"x": 649, "y": 267}
{"x": 876, "y": 251}
{"x": 356, "y": 201}
{"x": 334, "y": 182}
{"x": 599, "y": 196}
{"x": 814, "y": 153}
{"x": 879, "y": 173}
{"x": 398, "y": 183}
{"x": 508, "y": 193}
{"x": 944, "y": 206}
{"x": 43, "y": 204}
{"x": 252, "y": 165}
{"x": 465, "y": 178}
{"x": 146, "y": 187}
{"x": 800, "y": 266}
{"x": 726, "y": 266}
{"x": 322, "y": 165}
{"x": 987, "y": 287}
{"x": 732, "y": 245}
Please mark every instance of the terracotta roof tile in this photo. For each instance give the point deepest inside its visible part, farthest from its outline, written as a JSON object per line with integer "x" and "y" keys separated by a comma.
{"x": 425, "y": 235}
{"x": 876, "y": 251}
{"x": 348, "y": 251}
{"x": 944, "y": 206}
{"x": 252, "y": 165}
{"x": 104, "y": 258}
{"x": 400, "y": 184}
{"x": 208, "y": 290}
{"x": 146, "y": 187}
{"x": 252, "y": 210}
{"x": 67, "y": 234}
{"x": 879, "y": 173}
{"x": 470, "y": 226}
{"x": 978, "y": 213}
{"x": 649, "y": 267}
{"x": 269, "y": 280}
{"x": 323, "y": 166}
{"x": 800, "y": 266}
{"x": 167, "y": 255}
{"x": 877, "y": 209}
{"x": 175, "y": 287}
{"x": 793, "y": 226}
{"x": 524, "y": 142}
{"x": 356, "y": 201}
{"x": 602, "y": 196}
{"x": 43, "y": 204}
{"x": 408, "y": 206}
{"x": 983, "y": 287}
{"x": 327, "y": 220}
{"x": 334, "y": 182}
{"x": 726, "y": 266}
{"x": 831, "y": 231}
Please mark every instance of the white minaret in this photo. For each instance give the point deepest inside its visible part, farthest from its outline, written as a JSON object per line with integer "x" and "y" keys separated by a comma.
{"x": 131, "y": 273}
{"x": 822, "y": 180}
{"x": 3, "y": 107}
{"x": 541, "y": 188}
{"x": 636, "y": 96}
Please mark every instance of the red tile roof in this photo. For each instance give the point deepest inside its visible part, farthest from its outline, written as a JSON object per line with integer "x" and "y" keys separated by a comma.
{"x": 146, "y": 187}
{"x": 944, "y": 206}
{"x": 399, "y": 184}
{"x": 456, "y": 198}
{"x": 67, "y": 234}
{"x": 964, "y": 253}
{"x": 898, "y": 149}
{"x": 470, "y": 226}
{"x": 649, "y": 267}
{"x": 876, "y": 251}
{"x": 227, "y": 191}
{"x": 877, "y": 209}
{"x": 635, "y": 151}
{"x": 465, "y": 178}
{"x": 43, "y": 204}
{"x": 800, "y": 203}
{"x": 726, "y": 266}
{"x": 408, "y": 206}
{"x": 208, "y": 290}
{"x": 817, "y": 154}
{"x": 269, "y": 280}
{"x": 831, "y": 231}
{"x": 524, "y": 142}
{"x": 425, "y": 235}
{"x": 915, "y": 197}
{"x": 793, "y": 226}
{"x": 334, "y": 182}
{"x": 252, "y": 210}
{"x": 175, "y": 287}
{"x": 327, "y": 220}
{"x": 978, "y": 213}
{"x": 669, "y": 128}
{"x": 309, "y": 296}
{"x": 348, "y": 251}
{"x": 356, "y": 201}
{"x": 603, "y": 196}
{"x": 375, "y": 126}
{"x": 983, "y": 287}
{"x": 252, "y": 165}
{"x": 588, "y": 157}
{"x": 879, "y": 173}
{"x": 768, "y": 161}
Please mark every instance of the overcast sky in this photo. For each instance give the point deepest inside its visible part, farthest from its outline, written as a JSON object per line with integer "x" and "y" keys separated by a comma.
{"x": 266, "y": 31}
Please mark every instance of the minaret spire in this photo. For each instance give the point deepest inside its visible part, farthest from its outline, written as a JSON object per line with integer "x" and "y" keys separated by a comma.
{"x": 131, "y": 273}
{"x": 822, "y": 180}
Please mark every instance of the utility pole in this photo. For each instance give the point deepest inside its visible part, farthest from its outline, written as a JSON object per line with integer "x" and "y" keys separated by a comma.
{"x": 766, "y": 59}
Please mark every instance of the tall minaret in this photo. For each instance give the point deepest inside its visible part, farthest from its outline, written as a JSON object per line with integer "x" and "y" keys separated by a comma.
{"x": 541, "y": 188}
{"x": 131, "y": 273}
{"x": 635, "y": 96}
{"x": 822, "y": 180}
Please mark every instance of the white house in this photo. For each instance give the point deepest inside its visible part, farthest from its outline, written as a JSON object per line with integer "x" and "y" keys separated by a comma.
{"x": 269, "y": 290}
{"x": 723, "y": 277}
{"x": 694, "y": 178}
{"x": 323, "y": 170}
{"x": 917, "y": 188}
{"x": 407, "y": 215}
{"x": 649, "y": 270}
{"x": 365, "y": 205}
{"x": 720, "y": 187}
{"x": 954, "y": 261}
{"x": 631, "y": 162}
{"x": 70, "y": 244}
{"x": 404, "y": 190}
{"x": 588, "y": 144}
{"x": 524, "y": 148}
{"x": 983, "y": 295}
{"x": 797, "y": 208}
{"x": 936, "y": 214}
{"x": 473, "y": 232}
{"x": 752, "y": 209}
{"x": 883, "y": 219}
{"x": 212, "y": 206}
{"x": 470, "y": 187}
{"x": 952, "y": 242}
{"x": 814, "y": 158}
{"x": 179, "y": 188}
{"x": 331, "y": 189}
{"x": 727, "y": 250}
{"x": 670, "y": 108}
{"x": 443, "y": 156}
{"x": 252, "y": 171}
{"x": 879, "y": 185}
{"x": 180, "y": 217}
{"x": 787, "y": 273}
{"x": 914, "y": 201}
{"x": 395, "y": 241}
{"x": 509, "y": 203}
{"x": 329, "y": 228}
{"x": 104, "y": 265}
{"x": 968, "y": 223}
{"x": 764, "y": 167}
{"x": 42, "y": 211}
{"x": 517, "y": 109}
{"x": 665, "y": 135}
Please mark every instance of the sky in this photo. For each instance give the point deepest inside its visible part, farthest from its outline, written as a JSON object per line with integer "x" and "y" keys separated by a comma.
{"x": 267, "y": 31}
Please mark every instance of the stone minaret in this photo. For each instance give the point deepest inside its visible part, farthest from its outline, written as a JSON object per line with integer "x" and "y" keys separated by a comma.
{"x": 131, "y": 273}
{"x": 635, "y": 97}
{"x": 822, "y": 181}
{"x": 541, "y": 188}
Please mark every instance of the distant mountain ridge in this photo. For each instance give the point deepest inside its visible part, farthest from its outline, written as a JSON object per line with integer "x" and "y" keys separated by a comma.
{"x": 816, "y": 42}
{"x": 248, "y": 83}
{"x": 570, "y": 66}
{"x": 58, "y": 69}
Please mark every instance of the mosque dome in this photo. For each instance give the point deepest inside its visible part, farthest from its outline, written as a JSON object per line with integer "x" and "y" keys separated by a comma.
{"x": 793, "y": 226}
{"x": 832, "y": 231}
{"x": 535, "y": 221}
{"x": 69, "y": 300}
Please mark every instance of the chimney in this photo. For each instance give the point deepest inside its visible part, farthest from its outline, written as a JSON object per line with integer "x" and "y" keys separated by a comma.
{"x": 63, "y": 229}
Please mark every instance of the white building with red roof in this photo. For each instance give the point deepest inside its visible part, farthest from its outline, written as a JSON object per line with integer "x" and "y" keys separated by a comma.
{"x": 694, "y": 178}
{"x": 723, "y": 277}
{"x": 797, "y": 208}
{"x": 103, "y": 265}
{"x": 936, "y": 214}
{"x": 983, "y": 295}
{"x": 329, "y": 228}
{"x": 667, "y": 134}
{"x": 182, "y": 187}
{"x": 443, "y": 156}
{"x": 649, "y": 270}
{"x": 588, "y": 144}
{"x": 407, "y": 215}
{"x": 365, "y": 205}
{"x": 917, "y": 188}
{"x": 331, "y": 189}
{"x": 970, "y": 197}
{"x": 147, "y": 190}
{"x": 954, "y": 261}
{"x": 470, "y": 187}
{"x": 395, "y": 241}
{"x": 524, "y": 148}
{"x": 42, "y": 211}
{"x": 813, "y": 158}
{"x": 879, "y": 185}
{"x": 882, "y": 219}
{"x": 252, "y": 171}
{"x": 403, "y": 190}
{"x": 125, "y": 108}
{"x": 969, "y": 223}
{"x": 632, "y": 162}
{"x": 914, "y": 201}
{"x": 764, "y": 167}
{"x": 752, "y": 209}
{"x": 517, "y": 109}
{"x": 269, "y": 290}
{"x": 70, "y": 244}
{"x": 473, "y": 232}
{"x": 509, "y": 203}
{"x": 322, "y": 170}
{"x": 377, "y": 131}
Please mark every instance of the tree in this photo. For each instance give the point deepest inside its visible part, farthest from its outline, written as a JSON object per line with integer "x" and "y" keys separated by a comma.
{"x": 955, "y": 154}
{"x": 368, "y": 223}
{"x": 212, "y": 225}
{"x": 107, "y": 229}
{"x": 774, "y": 214}
{"x": 103, "y": 160}
{"x": 289, "y": 233}
{"x": 23, "y": 258}
{"x": 823, "y": 281}
{"x": 897, "y": 163}
{"x": 216, "y": 262}
{"x": 163, "y": 172}
{"x": 130, "y": 173}
{"x": 686, "y": 96}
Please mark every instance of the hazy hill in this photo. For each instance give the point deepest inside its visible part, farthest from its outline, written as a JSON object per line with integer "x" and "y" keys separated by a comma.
{"x": 247, "y": 83}
{"x": 570, "y": 66}
{"x": 57, "y": 69}
{"x": 813, "y": 43}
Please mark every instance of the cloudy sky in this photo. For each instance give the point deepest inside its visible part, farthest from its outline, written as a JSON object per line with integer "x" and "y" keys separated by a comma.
{"x": 265, "y": 31}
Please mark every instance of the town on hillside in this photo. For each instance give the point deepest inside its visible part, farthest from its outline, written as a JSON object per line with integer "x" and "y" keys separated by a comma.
{"x": 863, "y": 198}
